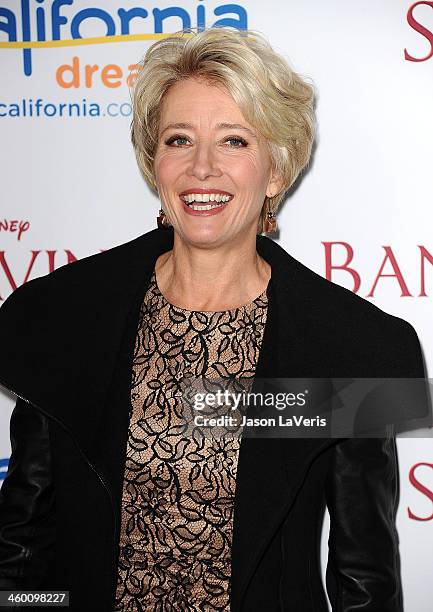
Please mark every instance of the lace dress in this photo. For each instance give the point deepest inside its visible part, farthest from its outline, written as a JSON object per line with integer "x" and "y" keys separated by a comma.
{"x": 178, "y": 491}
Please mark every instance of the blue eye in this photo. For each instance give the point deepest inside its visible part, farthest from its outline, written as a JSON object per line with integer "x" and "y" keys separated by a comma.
{"x": 174, "y": 138}
{"x": 241, "y": 140}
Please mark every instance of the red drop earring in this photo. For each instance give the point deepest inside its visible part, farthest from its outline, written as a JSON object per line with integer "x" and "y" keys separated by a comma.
{"x": 270, "y": 219}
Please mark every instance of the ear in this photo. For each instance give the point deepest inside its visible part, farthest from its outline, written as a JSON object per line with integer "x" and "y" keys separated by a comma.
{"x": 275, "y": 185}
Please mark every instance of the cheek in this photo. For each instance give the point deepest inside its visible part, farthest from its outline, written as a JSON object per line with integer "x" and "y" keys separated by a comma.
{"x": 166, "y": 167}
{"x": 248, "y": 172}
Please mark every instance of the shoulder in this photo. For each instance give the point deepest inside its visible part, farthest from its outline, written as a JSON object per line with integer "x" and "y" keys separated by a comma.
{"x": 46, "y": 322}
{"x": 388, "y": 341}
{"x": 339, "y": 317}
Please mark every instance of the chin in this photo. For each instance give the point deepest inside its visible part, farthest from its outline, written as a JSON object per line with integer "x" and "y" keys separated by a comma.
{"x": 203, "y": 235}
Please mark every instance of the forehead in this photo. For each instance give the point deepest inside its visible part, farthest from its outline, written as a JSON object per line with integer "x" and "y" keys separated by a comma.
{"x": 193, "y": 99}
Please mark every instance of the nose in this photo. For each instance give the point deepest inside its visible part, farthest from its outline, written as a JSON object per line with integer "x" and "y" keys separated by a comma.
{"x": 204, "y": 161}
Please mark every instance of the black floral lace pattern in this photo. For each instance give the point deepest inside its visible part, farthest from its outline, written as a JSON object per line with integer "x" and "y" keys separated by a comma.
{"x": 178, "y": 491}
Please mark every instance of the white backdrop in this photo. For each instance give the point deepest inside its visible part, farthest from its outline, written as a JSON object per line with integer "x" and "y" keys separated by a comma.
{"x": 70, "y": 186}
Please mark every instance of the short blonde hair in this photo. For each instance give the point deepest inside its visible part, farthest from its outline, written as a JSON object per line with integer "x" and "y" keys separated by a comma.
{"x": 272, "y": 97}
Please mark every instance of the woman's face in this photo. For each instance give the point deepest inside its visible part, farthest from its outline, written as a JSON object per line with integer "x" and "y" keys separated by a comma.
{"x": 202, "y": 155}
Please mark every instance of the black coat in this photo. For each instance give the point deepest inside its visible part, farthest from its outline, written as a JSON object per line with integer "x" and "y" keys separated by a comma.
{"x": 67, "y": 345}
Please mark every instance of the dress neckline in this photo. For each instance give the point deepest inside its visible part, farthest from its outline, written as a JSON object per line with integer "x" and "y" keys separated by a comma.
{"x": 251, "y": 304}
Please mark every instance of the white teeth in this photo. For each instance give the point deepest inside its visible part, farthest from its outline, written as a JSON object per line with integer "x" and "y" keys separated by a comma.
{"x": 205, "y": 197}
{"x": 205, "y": 207}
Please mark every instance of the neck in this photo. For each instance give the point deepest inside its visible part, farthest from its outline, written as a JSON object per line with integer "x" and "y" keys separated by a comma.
{"x": 220, "y": 278}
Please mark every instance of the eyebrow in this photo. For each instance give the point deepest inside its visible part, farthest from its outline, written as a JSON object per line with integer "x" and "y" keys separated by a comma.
{"x": 220, "y": 126}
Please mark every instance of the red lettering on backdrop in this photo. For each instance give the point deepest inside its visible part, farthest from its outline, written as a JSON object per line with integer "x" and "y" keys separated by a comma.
{"x": 329, "y": 266}
{"x": 418, "y": 27}
{"x": 424, "y": 255}
{"x": 4, "y": 265}
{"x": 423, "y": 489}
{"x": 389, "y": 255}
{"x": 14, "y": 225}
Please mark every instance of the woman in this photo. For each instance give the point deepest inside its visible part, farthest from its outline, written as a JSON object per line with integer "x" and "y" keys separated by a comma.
{"x": 104, "y": 496}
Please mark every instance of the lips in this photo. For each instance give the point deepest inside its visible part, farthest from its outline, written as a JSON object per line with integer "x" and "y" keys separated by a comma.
{"x": 206, "y": 212}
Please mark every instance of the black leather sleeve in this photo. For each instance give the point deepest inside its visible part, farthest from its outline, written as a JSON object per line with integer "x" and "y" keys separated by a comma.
{"x": 27, "y": 504}
{"x": 362, "y": 494}
{"x": 363, "y": 571}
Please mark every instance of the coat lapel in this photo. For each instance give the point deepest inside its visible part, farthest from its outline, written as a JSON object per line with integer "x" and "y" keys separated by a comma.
{"x": 271, "y": 471}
